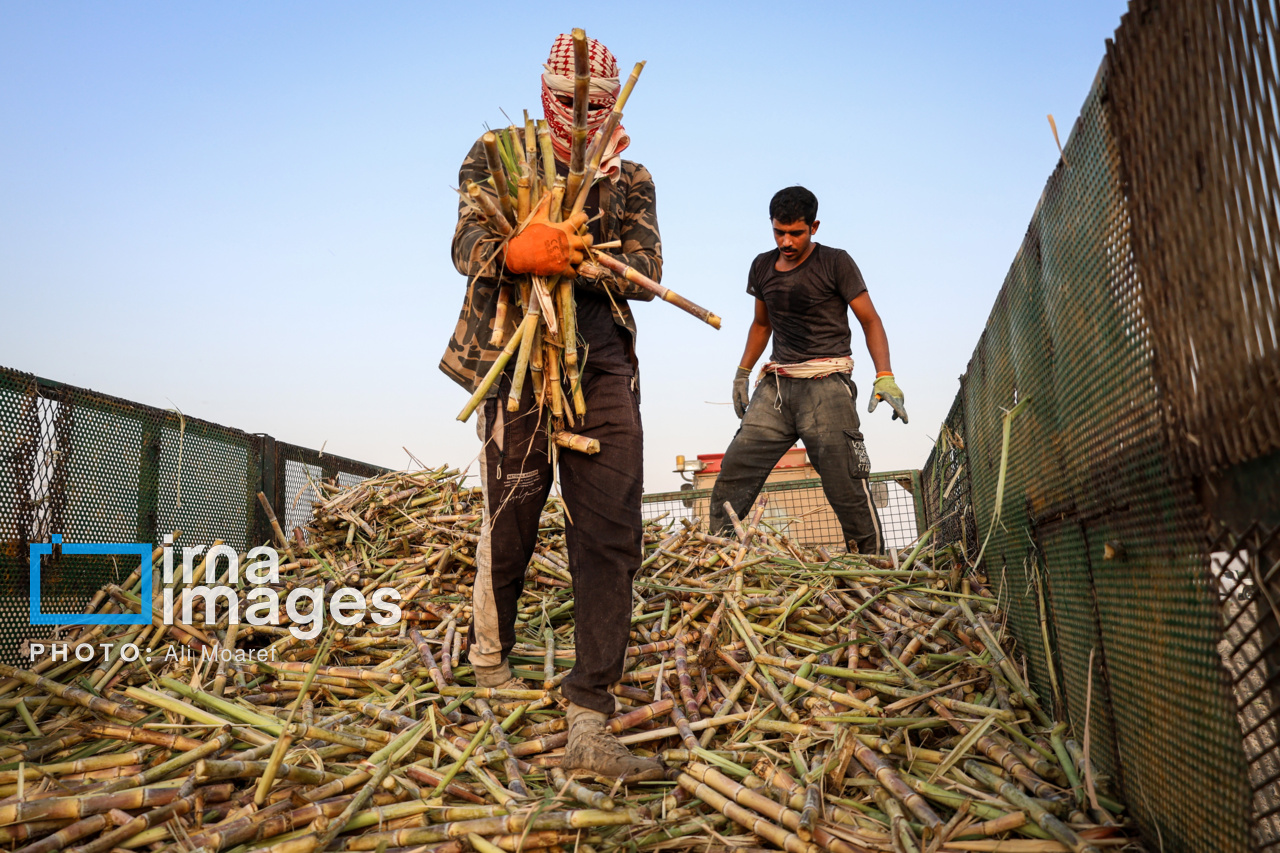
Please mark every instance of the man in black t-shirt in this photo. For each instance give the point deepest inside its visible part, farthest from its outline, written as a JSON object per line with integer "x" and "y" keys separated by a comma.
{"x": 805, "y": 390}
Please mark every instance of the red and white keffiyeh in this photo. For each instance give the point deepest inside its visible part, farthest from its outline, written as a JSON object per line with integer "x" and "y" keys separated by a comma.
{"x": 603, "y": 94}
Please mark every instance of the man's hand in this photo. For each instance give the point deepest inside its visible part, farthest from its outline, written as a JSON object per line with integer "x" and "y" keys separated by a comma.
{"x": 741, "y": 393}
{"x": 548, "y": 248}
{"x": 886, "y": 389}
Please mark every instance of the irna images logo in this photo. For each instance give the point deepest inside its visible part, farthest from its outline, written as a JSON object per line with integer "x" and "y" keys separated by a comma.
{"x": 256, "y": 596}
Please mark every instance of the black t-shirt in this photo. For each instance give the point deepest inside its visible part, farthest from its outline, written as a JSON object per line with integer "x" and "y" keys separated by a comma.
{"x": 809, "y": 305}
{"x": 604, "y": 344}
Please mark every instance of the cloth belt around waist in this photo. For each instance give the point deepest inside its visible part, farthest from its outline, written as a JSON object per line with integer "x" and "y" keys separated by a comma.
{"x": 814, "y": 368}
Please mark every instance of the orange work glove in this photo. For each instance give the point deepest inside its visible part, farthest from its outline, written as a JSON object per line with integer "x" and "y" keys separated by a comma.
{"x": 547, "y": 248}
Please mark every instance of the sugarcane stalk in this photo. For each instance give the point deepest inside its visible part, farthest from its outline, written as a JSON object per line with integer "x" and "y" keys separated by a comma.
{"x": 535, "y": 368}
{"x": 995, "y": 751}
{"x": 509, "y": 764}
{"x": 581, "y": 793}
{"x": 595, "y": 154}
{"x": 555, "y": 391}
{"x": 498, "y": 366}
{"x": 73, "y": 694}
{"x": 825, "y": 692}
{"x": 548, "y": 152}
{"x": 130, "y": 829}
{"x": 1001, "y": 659}
{"x": 83, "y": 765}
{"x": 524, "y": 195}
{"x": 489, "y": 208}
{"x": 1041, "y": 818}
{"x": 388, "y": 757}
{"x": 899, "y": 826}
{"x": 754, "y": 800}
{"x": 286, "y": 737}
{"x": 462, "y": 760}
{"x": 269, "y": 822}
{"x": 491, "y": 826}
{"x": 580, "y": 443}
{"x": 511, "y": 154}
{"x": 775, "y": 835}
{"x": 685, "y": 682}
{"x": 78, "y": 807}
{"x": 530, "y": 140}
{"x": 886, "y": 776}
{"x": 578, "y": 138}
{"x": 533, "y": 314}
{"x": 498, "y": 175}
{"x": 568, "y": 315}
{"x": 65, "y": 836}
{"x": 600, "y": 259}
{"x": 499, "y": 333}
{"x": 682, "y": 726}
{"x": 258, "y": 769}
{"x": 739, "y": 621}
{"x": 951, "y": 799}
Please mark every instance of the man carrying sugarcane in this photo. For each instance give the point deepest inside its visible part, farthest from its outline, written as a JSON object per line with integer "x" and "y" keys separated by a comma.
{"x": 601, "y": 491}
{"x": 806, "y": 390}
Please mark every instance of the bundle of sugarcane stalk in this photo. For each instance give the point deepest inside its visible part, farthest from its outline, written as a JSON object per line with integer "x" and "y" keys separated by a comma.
{"x": 803, "y": 701}
{"x": 535, "y": 318}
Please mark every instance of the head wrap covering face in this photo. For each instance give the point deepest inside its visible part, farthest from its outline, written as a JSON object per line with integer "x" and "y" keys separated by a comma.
{"x": 557, "y": 79}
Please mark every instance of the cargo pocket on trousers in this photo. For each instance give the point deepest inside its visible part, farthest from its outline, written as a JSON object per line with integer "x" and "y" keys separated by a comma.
{"x": 859, "y": 461}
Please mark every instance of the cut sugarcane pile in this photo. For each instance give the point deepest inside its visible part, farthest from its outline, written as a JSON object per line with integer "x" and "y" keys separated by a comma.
{"x": 801, "y": 702}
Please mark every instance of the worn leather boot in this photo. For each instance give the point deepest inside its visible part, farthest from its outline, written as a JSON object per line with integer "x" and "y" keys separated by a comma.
{"x": 592, "y": 747}
{"x": 498, "y": 677}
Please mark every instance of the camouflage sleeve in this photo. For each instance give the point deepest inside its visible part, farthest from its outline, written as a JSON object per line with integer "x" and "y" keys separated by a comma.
{"x": 641, "y": 242}
{"x": 475, "y": 246}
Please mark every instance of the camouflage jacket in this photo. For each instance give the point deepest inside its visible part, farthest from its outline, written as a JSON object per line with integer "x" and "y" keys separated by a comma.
{"x": 628, "y": 213}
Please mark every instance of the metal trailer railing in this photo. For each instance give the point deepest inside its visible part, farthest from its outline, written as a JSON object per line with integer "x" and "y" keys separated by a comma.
{"x": 799, "y": 509}
{"x": 96, "y": 468}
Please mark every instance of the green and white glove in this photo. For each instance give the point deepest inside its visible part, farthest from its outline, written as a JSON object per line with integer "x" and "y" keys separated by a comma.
{"x": 741, "y": 391}
{"x": 886, "y": 389}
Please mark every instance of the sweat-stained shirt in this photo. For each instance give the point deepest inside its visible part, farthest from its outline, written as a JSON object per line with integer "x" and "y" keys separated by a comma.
{"x": 809, "y": 305}
{"x": 628, "y": 212}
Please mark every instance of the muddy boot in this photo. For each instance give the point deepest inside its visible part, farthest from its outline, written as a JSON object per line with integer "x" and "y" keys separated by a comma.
{"x": 593, "y": 748}
{"x": 498, "y": 677}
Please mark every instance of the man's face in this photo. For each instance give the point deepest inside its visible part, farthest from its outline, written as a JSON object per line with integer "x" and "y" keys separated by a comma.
{"x": 793, "y": 238}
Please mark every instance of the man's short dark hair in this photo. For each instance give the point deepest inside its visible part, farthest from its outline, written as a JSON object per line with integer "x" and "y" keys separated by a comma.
{"x": 794, "y": 204}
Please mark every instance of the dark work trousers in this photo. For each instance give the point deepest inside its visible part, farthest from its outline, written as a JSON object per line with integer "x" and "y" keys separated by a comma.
{"x": 602, "y": 530}
{"x": 823, "y": 413}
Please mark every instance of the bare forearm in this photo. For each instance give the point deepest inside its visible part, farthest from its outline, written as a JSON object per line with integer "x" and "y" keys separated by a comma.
{"x": 873, "y": 331}
{"x": 757, "y": 339}
{"x": 878, "y": 346}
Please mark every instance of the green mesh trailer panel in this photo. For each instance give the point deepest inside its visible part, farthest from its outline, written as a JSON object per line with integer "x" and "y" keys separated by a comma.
{"x": 1195, "y": 102}
{"x": 1138, "y": 322}
{"x": 96, "y": 468}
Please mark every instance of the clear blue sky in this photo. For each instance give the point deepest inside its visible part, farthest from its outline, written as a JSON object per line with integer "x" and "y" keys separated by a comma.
{"x": 244, "y": 209}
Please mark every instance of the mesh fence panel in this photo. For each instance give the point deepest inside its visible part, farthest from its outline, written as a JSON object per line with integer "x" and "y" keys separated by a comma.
{"x": 204, "y": 486}
{"x": 945, "y": 488}
{"x": 1137, "y": 316}
{"x": 300, "y": 493}
{"x": 800, "y": 511}
{"x": 1204, "y": 205}
{"x": 1245, "y": 570}
{"x": 96, "y": 468}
